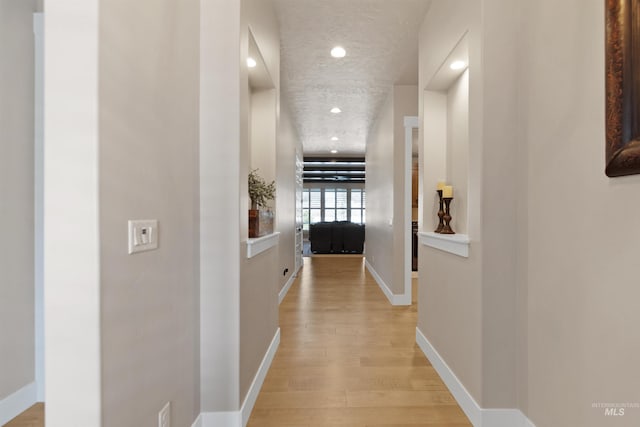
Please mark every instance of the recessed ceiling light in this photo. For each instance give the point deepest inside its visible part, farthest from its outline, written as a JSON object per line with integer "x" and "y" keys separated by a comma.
{"x": 338, "y": 52}
{"x": 334, "y": 151}
{"x": 251, "y": 63}
{"x": 336, "y": 110}
{"x": 335, "y": 138}
{"x": 458, "y": 65}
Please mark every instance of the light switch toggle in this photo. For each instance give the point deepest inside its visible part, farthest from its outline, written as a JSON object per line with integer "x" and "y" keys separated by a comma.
{"x": 143, "y": 235}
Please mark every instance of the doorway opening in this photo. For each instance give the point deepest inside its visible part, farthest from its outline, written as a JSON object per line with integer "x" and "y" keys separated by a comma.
{"x": 411, "y": 199}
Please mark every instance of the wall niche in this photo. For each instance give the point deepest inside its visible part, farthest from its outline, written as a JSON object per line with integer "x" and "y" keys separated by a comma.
{"x": 446, "y": 137}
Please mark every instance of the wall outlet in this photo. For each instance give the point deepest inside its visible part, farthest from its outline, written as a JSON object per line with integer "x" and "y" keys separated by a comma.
{"x": 164, "y": 416}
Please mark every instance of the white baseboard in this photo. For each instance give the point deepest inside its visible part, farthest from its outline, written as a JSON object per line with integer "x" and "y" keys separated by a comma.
{"x": 504, "y": 418}
{"x": 241, "y": 417}
{"x": 393, "y": 298}
{"x": 18, "y": 402}
{"x": 258, "y": 380}
{"x": 403, "y": 299}
{"x": 218, "y": 419}
{"x": 478, "y": 416}
{"x": 457, "y": 389}
{"x": 287, "y": 286}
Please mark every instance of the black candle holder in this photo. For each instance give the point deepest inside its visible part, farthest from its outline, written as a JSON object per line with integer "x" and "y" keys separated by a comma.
{"x": 440, "y": 213}
{"x": 447, "y": 216}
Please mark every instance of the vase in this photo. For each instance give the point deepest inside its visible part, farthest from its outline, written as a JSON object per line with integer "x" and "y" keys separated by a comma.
{"x": 260, "y": 222}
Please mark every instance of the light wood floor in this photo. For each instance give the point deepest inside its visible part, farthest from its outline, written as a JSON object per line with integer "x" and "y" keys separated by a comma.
{"x": 32, "y": 417}
{"x": 348, "y": 358}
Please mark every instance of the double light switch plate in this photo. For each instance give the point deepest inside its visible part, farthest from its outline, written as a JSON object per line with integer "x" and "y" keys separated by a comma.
{"x": 143, "y": 235}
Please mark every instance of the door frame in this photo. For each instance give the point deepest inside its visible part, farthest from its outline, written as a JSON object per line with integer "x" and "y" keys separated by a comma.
{"x": 410, "y": 123}
{"x": 38, "y": 32}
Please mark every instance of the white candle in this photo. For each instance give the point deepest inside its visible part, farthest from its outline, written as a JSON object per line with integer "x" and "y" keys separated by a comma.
{"x": 447, "y": 192}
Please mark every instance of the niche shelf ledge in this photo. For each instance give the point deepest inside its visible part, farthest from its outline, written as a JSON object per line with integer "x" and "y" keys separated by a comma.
{"x": 457, "y": 244}
{"x": 261, "y": 244}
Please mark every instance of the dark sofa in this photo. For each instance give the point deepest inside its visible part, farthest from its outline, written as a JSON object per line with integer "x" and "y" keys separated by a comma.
{"x": 336, "y": 237}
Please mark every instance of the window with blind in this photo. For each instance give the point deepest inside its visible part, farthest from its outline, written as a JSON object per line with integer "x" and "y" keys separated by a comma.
{"x": 332, "y": 204}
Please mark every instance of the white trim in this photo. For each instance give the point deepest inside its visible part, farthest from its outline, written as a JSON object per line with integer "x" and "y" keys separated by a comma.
{"x": 457, "y": 244}
{"x": 256, "y": 385}
{"x": 18, "y": 402}
{"x": 38, "y": 32}
{"x": 241, "y": 417}
{"x": 261, "y": 244}
{"x": 410, "y": 123}
{"x": 287, "y": 286}
{"x": 72, "y": 297}
{"x": 455, "y": 386}
{"x": 504, "y": 418}
{"x": 478, "y": 416}
{"x": 393, "y": 298}
{"x": 218, "y": 419}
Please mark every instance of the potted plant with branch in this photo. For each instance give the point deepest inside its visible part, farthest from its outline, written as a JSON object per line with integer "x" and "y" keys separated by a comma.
{"x": 260, "y": 216}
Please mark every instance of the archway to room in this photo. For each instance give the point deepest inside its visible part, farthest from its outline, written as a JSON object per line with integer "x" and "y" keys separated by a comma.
{"x": 411, "y": 204}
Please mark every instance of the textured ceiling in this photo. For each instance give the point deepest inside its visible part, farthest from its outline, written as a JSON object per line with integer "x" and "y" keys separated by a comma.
{"x": 381, "y": 39}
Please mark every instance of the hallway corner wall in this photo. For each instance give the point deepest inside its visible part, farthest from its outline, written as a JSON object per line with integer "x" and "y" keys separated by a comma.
{"x": 385, "y": 159}
{"x": 556, "y": 336}
{"x": 288, "y": 142}
{"x": 380, "y": 197}
{"x": 449, "y": 295}
{"x": 72, "y": 309}
{"x": 468, "y": 307}
{"x": 260, "y": 275}
{"x": 405, "y": 104}
{"x": 501, "y": 191}
{"x": 220, "y": 214}
{"x": 17, "y": 310}
{"x": 583, "y": 234}
{"x": 148, "y": 169}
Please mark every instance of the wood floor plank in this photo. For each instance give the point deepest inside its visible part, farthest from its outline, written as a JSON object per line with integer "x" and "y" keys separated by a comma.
{"x": 32, "y": 417}
{"x": 329, "y": 417}
{"x": 349, "y": 358}
{"x": 304, "y": 399}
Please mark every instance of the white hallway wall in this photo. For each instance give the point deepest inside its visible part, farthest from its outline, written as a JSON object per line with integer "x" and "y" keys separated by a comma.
{"x": 385, "y": 189}
{"x": 259, "y": 276}
{"x": 127, "y": 310}
{"x": 380, "y": 195}
{"x": 468, "y": 307}
{"x": 17, "y": 310}
{"x": 449, "y": 296}
{"x": 288, "y": 141}
{"x": 581, "y": 277}
{"x": 405, "y": 104}
{"x": 148, "y": 168}
{"x": 72, "y": 297}
{"x": 569, "y": 344}
{"x": 134, "y": 308}
{"x": 122, "y": 138}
